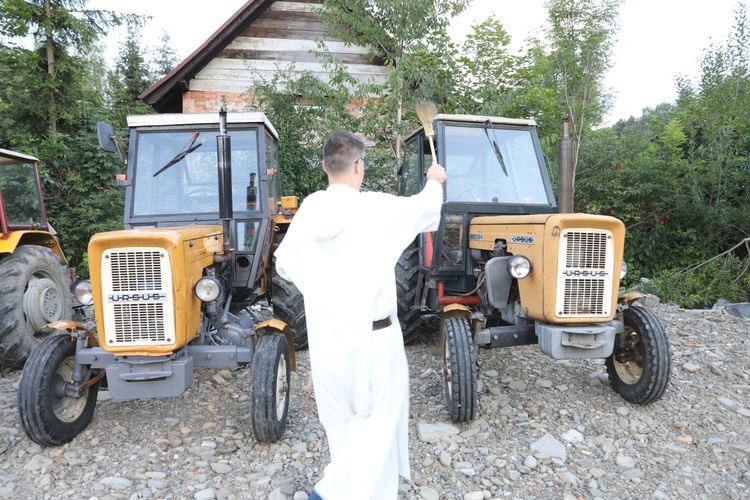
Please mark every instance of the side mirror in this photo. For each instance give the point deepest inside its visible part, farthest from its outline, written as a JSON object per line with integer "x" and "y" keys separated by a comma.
{"x": 107, "y": 141}
{"x": 106, "y": 135}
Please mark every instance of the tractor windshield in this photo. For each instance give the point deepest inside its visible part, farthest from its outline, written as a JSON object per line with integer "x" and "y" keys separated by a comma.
{"x": 20, "y": 194}
{"x": 191, "y": 185}
{"x": 493, "y": 165}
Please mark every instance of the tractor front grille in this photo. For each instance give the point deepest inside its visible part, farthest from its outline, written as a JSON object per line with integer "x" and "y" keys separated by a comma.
{"x": 137, "y": 297}
{"x": 586, "y": 249}
{"x": 585, "y": 271}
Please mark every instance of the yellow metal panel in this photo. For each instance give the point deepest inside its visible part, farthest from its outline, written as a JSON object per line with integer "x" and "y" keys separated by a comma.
{"x": 40, "y": 238}
{"x": 191, "y": 248}
{"x": 537, "y": 237}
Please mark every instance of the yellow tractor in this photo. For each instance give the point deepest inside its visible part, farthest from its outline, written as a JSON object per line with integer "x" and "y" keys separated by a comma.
{"x": 34, "y": 284}
{"x": 507, "y": 268}
{"x": 173, "y": 290}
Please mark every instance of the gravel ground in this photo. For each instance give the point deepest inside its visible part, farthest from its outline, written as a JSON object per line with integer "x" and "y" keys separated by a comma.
{"x": 545, "y": 429}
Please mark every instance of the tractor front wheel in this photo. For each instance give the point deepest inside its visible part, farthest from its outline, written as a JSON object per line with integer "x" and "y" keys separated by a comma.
{"x": 49, "y": 416}
{"x": 459, "y": 370}
{"x": 269, "y": 388}
{"x": 641, "y": 363}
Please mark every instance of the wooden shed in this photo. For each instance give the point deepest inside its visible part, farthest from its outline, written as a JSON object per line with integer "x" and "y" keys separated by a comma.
{"x": 261, "y": 37}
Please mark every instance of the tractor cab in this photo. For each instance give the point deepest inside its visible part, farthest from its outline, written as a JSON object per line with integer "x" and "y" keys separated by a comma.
{"x": 172, "y": 181}
{"x": 495, "y": 167}
{"x": 21, "y": 202}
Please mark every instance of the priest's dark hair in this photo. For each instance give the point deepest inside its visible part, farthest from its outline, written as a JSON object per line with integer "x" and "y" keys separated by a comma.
{"x": 341, "y": 151}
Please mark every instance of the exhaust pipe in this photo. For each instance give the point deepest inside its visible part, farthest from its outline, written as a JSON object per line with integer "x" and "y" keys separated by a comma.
{"x": 565, "y": 171}
{"x": 224, "y": 167}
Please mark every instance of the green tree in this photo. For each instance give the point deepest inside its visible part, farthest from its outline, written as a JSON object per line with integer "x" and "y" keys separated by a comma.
{"x": 60, "y": 28}
{"x": 409, "y": 37}
{"x": 129, "y": 78}
{"x": 678, "y": 177}
{"x": 580, "y": 35}
{"x": 166, "y": 58}
{"x": 64, "y": 66}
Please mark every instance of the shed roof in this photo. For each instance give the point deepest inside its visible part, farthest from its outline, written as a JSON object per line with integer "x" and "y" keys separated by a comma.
{"x": 166, "y": 95}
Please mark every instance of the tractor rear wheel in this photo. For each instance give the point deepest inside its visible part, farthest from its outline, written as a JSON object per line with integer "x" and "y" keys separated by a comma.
{"x": 459, "y": 370}
{"x": 288, "y": 303}
{"x": 34, "y": 291}
{"x": 269, "y": 388}
{"x": 289, "y": 307}
{"x": 639, "y": 368}
{"x": 407, "y": 276}
{"x": 49, "y": 416}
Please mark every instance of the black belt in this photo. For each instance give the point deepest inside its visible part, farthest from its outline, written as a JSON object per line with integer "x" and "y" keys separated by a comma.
{"x": 381, "y": 323}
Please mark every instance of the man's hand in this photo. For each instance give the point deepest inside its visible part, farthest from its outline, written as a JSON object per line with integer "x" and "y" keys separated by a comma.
{"x": 437, "y": 173}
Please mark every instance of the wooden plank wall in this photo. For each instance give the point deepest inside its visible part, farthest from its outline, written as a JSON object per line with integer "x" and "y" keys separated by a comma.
{"x": 284, "y": 34}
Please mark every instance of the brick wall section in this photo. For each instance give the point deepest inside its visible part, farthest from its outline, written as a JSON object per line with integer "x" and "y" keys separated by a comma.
{"x": 200, "y": 101}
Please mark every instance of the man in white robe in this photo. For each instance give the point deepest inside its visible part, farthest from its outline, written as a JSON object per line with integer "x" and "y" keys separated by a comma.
{"x": 340, "y": 251}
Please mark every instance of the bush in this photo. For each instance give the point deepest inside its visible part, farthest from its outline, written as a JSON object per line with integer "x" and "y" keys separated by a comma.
{"x": 699, "y": 287}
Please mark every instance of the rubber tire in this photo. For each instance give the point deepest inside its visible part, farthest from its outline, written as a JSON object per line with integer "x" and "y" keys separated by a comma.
{"x": 459, "y": 370}
{"x": 266, "y": 422}
{"x": 649, "y": 340}
{"x": 38, "y": 406}
{"x": 17, "y": 337}
{"x": 289, "y": 307}
{"x": 407, "y": 274}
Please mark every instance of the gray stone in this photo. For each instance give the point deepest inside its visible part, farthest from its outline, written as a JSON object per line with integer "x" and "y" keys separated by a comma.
{"x": 429, "y": 494}
{"x": 279, "y": 494}
{"x": 572, "y": 436}
{"x": 633, "y": 474}
{"x": 116, "y": 482}
{"x": 741, "y": 309}
{"x": 568, "y": 478}
{"x": 433, "y": 433}
{"x": 548, "y": 447}
{"x": 624, "y": 461}
{"x": 207, "y": 494}
{"x": 445, "y": 458}
{"x": 474, "y": 495}
{"x": 221, "y": 468}
{"x": 729, "y": 403}
{"x": 691, "y": 367}
{"x": 37, "y": 462}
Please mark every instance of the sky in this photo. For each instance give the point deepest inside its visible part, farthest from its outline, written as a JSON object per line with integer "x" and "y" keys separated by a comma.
{"x": 658, "y": 39}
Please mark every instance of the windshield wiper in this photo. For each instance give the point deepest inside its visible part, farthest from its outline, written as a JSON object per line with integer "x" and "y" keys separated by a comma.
{"x": 188, "y": 148}
{"x": 495, "y": 147}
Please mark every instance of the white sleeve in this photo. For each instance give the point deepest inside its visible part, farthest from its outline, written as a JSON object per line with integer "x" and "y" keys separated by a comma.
{"x": 396, "y": 220}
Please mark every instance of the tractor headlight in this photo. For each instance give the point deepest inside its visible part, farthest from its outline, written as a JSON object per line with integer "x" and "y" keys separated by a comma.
{"x": 519, "y": 267}
{"x": 207, "y": 289}
{"x": 82, "y": 292}
{"x": 623, "y": 269}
